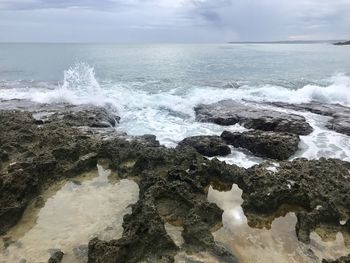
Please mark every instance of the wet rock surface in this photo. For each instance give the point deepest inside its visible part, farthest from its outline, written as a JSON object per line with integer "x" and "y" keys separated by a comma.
{"x": 345, "y": 259}
{"x": 56, "y": 257}
{"x": 274, "y": 145}
{"x": 319, "y": 187}
{"x": 37, "y": 156}
{"x": 207, "y": 145}
{"x": 72, "y": 115}
{"x": 173, "y": 185}
{"x": 340, "y": 114}
{"x": 229, "y": 112}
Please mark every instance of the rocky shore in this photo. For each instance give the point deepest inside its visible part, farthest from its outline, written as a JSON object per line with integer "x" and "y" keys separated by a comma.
{"x": 42, "y": 144}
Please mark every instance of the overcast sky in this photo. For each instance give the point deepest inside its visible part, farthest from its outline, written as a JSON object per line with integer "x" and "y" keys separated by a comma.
{"x": 172, "y": 20}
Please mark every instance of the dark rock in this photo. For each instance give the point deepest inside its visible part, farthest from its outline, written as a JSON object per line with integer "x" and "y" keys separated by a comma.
{"x": 340, "y": 114}
{"x": 340, "y": 123}
{"x": 229, "y": 112}
{"x": 207, "y": 145}
{"x": 72, "y": 115}
{"x": 345, "y": 259}
{"x": 178, "y": 196}
{"x": 342, "y": 43}
{"x": 81, "y": 253}
{"x": 86, "y": 115}
{"x": 172, "y": 182}
{"x": 275, "y": 145}
{"x": 56, "y": 257}
{"x": 3, "y": 156}
{"x": 147, "y": 140}
{"x": 319, "y": 187}
{"x": 39, "y": 156}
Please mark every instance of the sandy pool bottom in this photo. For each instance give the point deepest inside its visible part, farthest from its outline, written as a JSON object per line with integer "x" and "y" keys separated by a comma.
{"x": 278, "y": 244}
{"x": 88, "y": 207}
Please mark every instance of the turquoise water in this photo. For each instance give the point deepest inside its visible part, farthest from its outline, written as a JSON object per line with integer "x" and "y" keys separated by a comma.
{"x": 155, "y": 87}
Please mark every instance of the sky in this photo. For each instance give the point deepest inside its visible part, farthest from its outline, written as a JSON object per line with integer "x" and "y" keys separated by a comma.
{"x": 180, "y": 21}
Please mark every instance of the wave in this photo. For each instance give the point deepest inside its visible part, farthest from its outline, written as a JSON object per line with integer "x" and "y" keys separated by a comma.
{"x": 80, "y": 86}
{"x": 169, "y": 113}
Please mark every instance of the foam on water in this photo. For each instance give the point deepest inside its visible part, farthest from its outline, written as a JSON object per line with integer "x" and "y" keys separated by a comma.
{"x": 169, "y": 114}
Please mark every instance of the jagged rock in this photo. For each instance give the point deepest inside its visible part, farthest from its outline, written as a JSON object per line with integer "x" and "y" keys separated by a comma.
{"x": 345, "y": 259}
{"x": 56, "y": 257}
{"x": 148, "y": 140}
{"x": 229, "y": 112}
{"x": 179, "y": 197}
{"x": 320, "y": 187}
{"x": 86, "y": 115}
{"x": 72, "y": 115}
{"x": 38, "y": 156}
{"x": 275, "y": 145}
{"x": 340, "y": 114}
{"x": 173, "y": 186}
{"x": 173, "y": 182}
{"x": 340, "y": 123}
{"x": 207, "y": 145}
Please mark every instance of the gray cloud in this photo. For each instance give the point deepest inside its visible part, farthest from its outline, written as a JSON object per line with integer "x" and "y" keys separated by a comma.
{"x": 60, "y": 4}
{"x": 172, "y": 20}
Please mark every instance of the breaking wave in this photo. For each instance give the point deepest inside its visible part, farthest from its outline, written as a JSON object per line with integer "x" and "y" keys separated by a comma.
{"x": 169, "y": 114}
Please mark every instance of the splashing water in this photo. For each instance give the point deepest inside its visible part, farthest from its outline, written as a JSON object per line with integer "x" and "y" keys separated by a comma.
{"x": 169, "y": 114}
{"x": 81, "y": 78}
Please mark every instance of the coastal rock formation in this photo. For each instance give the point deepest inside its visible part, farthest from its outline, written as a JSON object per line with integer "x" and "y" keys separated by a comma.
{"x": 207, "y": 145}
{"x": 229, "y": 112}
{"x": 72, "y": 115}
{"x": 56, "y": 257}
{"x": 178, "y": 197}
{"x": 173, "y": 183}
{"x": 345, "y": 259}
{"x": 36, "y": 156}
{"x": 340, "y": 114}
{"x": 274, "y": 145}
{"x": 319, "y": 187}
{"x": 342, "y": 43}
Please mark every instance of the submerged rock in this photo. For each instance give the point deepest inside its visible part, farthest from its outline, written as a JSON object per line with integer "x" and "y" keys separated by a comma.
{"x": 274, "y": 145}
{"x": 229, "y": 112}
{"x": 56, "y": 257}
{"x": 340, "y": 114}
{"x": 319, "y": 187}
{"x": 207, "y": 145}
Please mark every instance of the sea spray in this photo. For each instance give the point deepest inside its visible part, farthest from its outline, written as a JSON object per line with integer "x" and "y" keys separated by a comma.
{"x": 169, "y": 114}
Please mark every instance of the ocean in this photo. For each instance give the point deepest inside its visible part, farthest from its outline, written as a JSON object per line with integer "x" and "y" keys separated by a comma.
{"x": 154, "y": 87}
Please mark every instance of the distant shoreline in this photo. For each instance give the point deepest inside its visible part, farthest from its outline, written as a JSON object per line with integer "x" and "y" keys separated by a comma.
{"x": 288, "y": 42}
{"x": 342, "y": 43}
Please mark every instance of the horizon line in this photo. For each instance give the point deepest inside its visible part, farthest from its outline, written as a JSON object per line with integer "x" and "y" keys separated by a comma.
{"x": 143, "y": 43}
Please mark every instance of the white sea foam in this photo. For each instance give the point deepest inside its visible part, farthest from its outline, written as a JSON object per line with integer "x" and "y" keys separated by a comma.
{"x": 170, "y": 116}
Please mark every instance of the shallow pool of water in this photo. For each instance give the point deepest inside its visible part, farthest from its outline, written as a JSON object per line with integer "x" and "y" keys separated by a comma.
{"x": 88, "y": 207}
{"x": 275, "y": 245}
